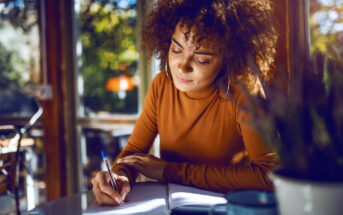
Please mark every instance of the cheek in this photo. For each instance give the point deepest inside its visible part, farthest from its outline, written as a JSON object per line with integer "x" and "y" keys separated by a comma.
{"x": 172, "y": 62}
{"x": 208, "y": 74}
{"x": 216, "y": 69}
{"x": 170, "y": 59}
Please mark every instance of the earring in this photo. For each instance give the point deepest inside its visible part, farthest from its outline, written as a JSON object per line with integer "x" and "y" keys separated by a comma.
{"x": 166, "y": 69}
{"x": 228, "y": 86}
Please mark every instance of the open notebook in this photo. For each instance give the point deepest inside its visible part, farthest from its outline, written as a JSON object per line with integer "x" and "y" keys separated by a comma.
{"x": 157, "y": 198}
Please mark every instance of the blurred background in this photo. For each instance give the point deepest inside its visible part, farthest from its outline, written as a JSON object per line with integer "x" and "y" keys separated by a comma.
{"x": 79, "y": 60}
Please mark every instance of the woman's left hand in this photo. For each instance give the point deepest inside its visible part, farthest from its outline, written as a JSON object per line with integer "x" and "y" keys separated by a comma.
{"x": 148, "y": 165}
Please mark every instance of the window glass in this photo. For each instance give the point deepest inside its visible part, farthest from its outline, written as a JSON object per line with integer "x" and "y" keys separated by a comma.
{"x": 19, "y": 57}
{"x": 326, "y": 26}
{"x": 108, "y": 57}
{"x": 20, "y": 75}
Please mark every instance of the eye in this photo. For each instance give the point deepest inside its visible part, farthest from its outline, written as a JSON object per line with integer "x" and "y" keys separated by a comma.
{"x": 176, "y": 51}
{"x": 203, "y": 61}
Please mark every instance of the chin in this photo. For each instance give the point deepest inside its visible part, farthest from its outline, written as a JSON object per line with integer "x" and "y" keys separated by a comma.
{"x": 186, "y": 89}
{"x": 183, "y": 88}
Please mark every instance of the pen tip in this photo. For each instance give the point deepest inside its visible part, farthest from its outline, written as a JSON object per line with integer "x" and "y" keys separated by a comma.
{"x": 103, "y": 154}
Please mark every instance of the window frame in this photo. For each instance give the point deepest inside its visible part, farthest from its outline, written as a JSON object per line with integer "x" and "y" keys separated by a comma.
{"x": 63, "y": 125}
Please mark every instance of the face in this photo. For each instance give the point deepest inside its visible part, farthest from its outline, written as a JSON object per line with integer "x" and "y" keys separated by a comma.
{"x": 193, "y": 67}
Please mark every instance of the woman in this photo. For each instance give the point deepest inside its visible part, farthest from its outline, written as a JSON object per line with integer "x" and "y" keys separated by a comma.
{"x": 194, "y": 104}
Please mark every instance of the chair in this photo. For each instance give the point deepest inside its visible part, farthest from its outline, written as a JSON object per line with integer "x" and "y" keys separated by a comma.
{"x": 9, "y": 169}
{"x": 8, "y": 176}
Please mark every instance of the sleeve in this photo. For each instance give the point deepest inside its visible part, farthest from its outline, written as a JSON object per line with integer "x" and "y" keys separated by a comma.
{"x": 244, "y": 175}
{"x": 143, "y": 134}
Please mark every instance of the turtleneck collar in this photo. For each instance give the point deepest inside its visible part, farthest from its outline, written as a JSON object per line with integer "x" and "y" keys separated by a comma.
{"x": 202, "y": 94}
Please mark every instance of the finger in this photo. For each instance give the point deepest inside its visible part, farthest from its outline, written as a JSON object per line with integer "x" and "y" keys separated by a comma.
{"x": 132, "y": 160}
{"x": 133, "y": 157}
{"x": 140, "y": 154}
{"x": 105, "y": 187}
{"x": 125, "y": 189}
{"x": 122, "y": 179}
{"x": 124, "y": 185}
{"x": 115, "y": 176}
{"x": 103, "y": 191}
{"x": 130, "y": 157}
{"x": 147, "y": 157}
{"x": 152, "y": 157}
{"x": 102, "y": 198}
{"x": 137, "y": 164}
{"x": 122, "y": 174}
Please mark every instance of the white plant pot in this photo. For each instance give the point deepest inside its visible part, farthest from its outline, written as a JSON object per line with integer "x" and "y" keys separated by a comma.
{"x": 301, "y": 197}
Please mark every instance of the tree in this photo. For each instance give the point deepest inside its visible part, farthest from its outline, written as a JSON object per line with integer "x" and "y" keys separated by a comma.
{"x": 13, "y": 98}
{"x": 10, "y": 79}
{"x": 108, "y": 37}
{"x": 15, "y": 86}
{"x": 18, "y": 13}
{"x": 326, "y": 20}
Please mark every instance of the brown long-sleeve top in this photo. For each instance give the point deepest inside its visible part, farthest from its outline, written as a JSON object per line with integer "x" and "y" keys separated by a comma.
{"x": 205, "y": 139}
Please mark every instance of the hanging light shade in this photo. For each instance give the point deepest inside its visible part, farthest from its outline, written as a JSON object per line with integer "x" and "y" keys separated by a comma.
{"x": 120, "y": 83}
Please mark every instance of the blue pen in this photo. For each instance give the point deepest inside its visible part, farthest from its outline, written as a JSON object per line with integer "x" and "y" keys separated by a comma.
{"x": 113, "y": 182}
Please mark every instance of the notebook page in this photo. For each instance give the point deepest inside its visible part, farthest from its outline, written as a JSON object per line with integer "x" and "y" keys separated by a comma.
{"x": 145, "y": 198}
{"x": 183, "y": 195}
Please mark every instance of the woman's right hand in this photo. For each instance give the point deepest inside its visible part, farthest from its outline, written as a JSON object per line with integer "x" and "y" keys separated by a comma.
{"x": 104, "y": 193}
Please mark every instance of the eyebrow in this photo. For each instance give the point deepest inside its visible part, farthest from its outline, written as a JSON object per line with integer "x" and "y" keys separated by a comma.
{"x": 175, "y": 41}
{"x": 205, "y": 53}
{"x": 197, "y": 52}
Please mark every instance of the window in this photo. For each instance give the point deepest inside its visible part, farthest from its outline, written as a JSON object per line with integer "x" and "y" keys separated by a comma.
{"x": 326, "y": 26}
{"x": 91, "y": 60}
{"x": 19, "y": 57}
{"x": 108, "y": 57}
{"x": 108, "y": 79}
{"x": 20, "y": 76}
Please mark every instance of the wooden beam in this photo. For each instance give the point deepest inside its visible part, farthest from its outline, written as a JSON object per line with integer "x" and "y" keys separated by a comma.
{"x": 299, "y": 36}
{"x": 282, "y": 55}
{"x": 282, "y": 52}
{"x": 53, "y": 115}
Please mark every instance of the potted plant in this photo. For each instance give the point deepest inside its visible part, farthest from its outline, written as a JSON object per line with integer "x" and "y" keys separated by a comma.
{"x": 304, "y": 125}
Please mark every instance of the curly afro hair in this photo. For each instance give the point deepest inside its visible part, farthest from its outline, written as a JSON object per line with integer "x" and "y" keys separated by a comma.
{"x": 246, "y": 27}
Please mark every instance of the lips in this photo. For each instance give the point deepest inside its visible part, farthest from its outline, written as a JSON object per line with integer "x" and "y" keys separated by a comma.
{"x": 182, "y": 80}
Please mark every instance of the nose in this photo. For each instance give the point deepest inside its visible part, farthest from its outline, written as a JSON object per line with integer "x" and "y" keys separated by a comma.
{"x": 185, "y": 65}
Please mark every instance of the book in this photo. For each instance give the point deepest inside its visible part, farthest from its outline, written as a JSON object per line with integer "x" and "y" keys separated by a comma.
{"x": 158, "y": 198}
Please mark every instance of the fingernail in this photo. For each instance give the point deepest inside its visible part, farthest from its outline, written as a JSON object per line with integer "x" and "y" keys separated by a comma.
{"x": 117, "y": 199}
{"x": 123, "y": 196}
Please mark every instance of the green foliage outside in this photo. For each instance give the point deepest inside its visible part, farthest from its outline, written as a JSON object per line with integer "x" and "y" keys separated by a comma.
{"x": 108, "y": 37}
{"x": 18, "y": 72}
{"x": 10, "y": 78}
{"x": 326, "y": 26}
{"x": 22, "y": 16}
{"x": 107, "y": 32}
